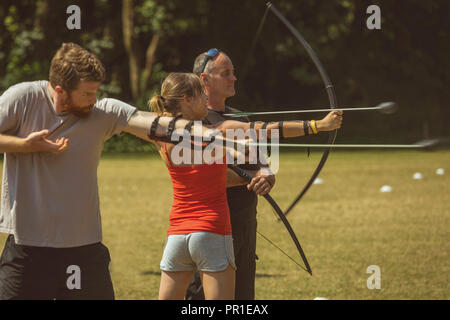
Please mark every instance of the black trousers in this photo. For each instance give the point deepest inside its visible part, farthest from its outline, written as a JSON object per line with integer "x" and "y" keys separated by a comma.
{"x": 42, "y": 273}
{"x": 244, "y": 243}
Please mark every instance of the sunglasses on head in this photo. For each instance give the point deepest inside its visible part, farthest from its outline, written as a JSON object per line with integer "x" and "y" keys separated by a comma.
{"x": 211, "y": 54}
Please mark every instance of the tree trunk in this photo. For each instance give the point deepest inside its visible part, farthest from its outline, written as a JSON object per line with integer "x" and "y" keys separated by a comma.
{"x": 130, "y": 46}
{"x": 149, "y": 60}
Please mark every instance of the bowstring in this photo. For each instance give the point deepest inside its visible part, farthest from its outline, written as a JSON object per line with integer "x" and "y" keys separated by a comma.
{"x": 282, "y": 251}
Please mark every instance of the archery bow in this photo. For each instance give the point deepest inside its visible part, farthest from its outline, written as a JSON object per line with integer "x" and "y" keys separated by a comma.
{"x": 331, "y": 138}
{"x": 331, "y": 97}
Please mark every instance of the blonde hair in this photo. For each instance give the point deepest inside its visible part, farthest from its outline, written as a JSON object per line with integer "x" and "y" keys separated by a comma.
{"x": 175, "y": 87}
{"x": 72, "y": 64}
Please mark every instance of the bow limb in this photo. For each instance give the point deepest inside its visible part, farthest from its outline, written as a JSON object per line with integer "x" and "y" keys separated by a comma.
{"x": 331, "y": 97}
{"x": 282, "y": 217}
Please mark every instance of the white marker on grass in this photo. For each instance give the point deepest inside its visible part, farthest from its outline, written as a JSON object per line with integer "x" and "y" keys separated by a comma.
{"x": 386, "y": 188}
{"x": 318, "y": 181}
{"x": 417, "y": 176}
{"x": 440, "y": 171}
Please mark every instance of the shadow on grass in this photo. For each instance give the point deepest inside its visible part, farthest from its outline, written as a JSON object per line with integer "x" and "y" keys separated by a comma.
{"x": 266, "y": 275}
{"x": 151, "y": 273}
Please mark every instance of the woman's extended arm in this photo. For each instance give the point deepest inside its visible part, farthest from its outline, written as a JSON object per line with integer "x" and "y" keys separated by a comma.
{"x": 294, "y": 128}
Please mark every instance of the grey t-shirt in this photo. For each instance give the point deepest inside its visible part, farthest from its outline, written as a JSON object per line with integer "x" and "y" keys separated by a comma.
{"x": 51, "y": 200}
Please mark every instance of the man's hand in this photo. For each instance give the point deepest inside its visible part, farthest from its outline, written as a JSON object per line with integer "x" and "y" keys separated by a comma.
{"x": 37, "y": 142}
{"x": 262, "y": 183}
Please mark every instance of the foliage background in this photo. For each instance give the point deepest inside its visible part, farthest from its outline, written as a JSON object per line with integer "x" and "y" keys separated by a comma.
{"x": 140, "y": 41}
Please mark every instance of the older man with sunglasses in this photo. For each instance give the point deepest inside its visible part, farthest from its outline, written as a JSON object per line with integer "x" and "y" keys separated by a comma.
{"x": 217, "y": 73}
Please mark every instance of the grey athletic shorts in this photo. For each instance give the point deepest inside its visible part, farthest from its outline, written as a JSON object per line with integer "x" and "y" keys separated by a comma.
{"x": 203, "y": 251}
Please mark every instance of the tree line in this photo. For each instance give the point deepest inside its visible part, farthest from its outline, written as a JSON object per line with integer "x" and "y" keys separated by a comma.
{"x": 141, "y": 41}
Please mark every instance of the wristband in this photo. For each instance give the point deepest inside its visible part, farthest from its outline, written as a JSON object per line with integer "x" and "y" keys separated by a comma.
{"x": 313, "y": 126}
{"x": 269, "y": 140}
{"x": 280, "y": 128}
{"x": 306, "y": 127}
{"x": 188, "y": 126}
{"x": 171, "y": 126}
{"x": 152, "y": 132}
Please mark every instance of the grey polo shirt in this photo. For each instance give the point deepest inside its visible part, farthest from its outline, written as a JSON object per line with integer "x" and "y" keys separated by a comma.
{"x": 51, "y": 200}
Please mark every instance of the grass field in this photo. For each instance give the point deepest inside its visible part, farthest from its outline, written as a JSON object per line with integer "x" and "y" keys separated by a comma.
{"x": 344, "y": 225}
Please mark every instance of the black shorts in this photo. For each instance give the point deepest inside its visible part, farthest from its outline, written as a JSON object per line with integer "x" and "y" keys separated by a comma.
{"x": 44, "y": 273}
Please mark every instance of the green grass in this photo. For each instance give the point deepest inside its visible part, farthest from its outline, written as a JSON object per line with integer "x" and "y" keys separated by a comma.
{"x": 344, "y": 226}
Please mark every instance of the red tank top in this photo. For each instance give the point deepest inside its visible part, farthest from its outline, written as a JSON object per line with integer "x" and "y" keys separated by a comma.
{"x": 199, "y": 199}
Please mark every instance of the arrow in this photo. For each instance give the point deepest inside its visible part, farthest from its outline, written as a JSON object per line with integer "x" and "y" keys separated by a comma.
{"x": 424, "y": 144}
{"x": 384, "y": 108}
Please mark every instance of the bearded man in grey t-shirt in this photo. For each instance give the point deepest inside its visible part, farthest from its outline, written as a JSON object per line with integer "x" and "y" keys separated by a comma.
{"x": 52, "y": 133}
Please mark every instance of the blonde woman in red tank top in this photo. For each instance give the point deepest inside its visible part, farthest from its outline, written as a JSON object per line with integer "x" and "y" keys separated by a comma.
{"x": 199, "y": 234}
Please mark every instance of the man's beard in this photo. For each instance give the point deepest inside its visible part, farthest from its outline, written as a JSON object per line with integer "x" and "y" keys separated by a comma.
{"x": 80, "y": 112}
